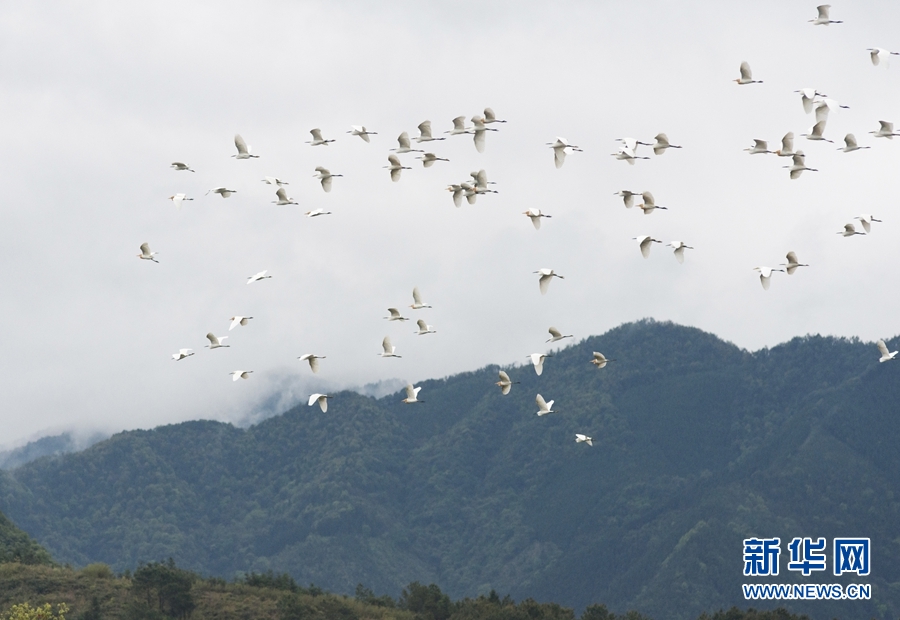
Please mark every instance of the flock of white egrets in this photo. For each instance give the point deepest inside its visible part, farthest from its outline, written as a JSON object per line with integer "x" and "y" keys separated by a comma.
{"x": 478, "y": 184}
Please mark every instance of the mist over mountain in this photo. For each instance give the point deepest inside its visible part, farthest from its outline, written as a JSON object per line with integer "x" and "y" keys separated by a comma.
{"x": 697, "y": 445}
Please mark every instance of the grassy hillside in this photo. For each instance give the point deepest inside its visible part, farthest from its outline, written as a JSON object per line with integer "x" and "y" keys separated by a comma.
{"x": 697, "y": 445}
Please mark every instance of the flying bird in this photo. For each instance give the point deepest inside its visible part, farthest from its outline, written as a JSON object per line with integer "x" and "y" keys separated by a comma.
{"x": 504, "y": 383}
{"x": 317, "y": 140}
{"x": 322, "y": 399}
{"x": 425, "y": 133}
{"x": 417, "y": 300}
{"x": 765, "y": 273}
{"x": 538, "y": 360}
{"x": 325, "y": 177}
{"x": 600, "y": 360}
{"x": 662, "y": 143}
{"x": 877, "y": 54}
{"x": 885, "y": 131}
{"x": 283, "y": 198}
{"x": 459, "y": 127}
{"x": 239, "y": 320}
{"x": 792, "y": 263}
{"x": 412, "y": 394}
{"x": 356, "y": 130}
{"x": 388, "y": 348}
{"x": 224, "y": 192}
{"x": 543, "y": 407}
{"x": 850, "y": 141}
{"x": 490, "y": 117}
{"x": 535, "y": 215}
{"x": 559, "y": 150}
{"x": 146, "y": 254}
{"x": 823, "y": 19}
{"x": 808, "y": 97}
{"x": 627, "y": 154}
{"x": 243, "y": 151}
{"x": 579, "y": 438}
{"x": 274, "y": 181}
{"x": 215, "y": 343}
{"x": 646, "y": 242}
{"x": 649, "y": 205}
{"x": 546, "y": 276}
{"x": 313, "y": 360}
{"x": 815, "y": 132}
{"x": 395, "y": 167}
{"x": 680, "y": 247}
{"x": 257, "y": 277}
{"x": 849, "y": 231}
{"x": 182, "y": 353}
{"x": 480, "y": 131}
{"x": 177, "y": 165}
{"x": 747, "y": 75}
{"x": 799, "y": 165}
{"x": 394, "y": 315}
{"x": 885, "y": 355}
{"x": 826, "y": 105}
{"x": 787, "y": 145}
{"x": 628, "y": 197}
{"x": 404, "y": 146}
{"x": 424, "y": 328}
{"x": 240, "y": 374}
{"x": 866, "y": 221}
{"x": 428, "y": 159}
{"x": 555, "y": 335}
{"x": 317, "y": 213}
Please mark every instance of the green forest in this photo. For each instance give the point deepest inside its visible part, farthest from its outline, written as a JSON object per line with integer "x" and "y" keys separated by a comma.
{"x": 697, "y": 445}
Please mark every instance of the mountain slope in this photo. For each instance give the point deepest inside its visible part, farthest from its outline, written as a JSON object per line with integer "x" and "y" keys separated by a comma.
{"x": 17, "y": 546}
{"x": 698, "y": 445}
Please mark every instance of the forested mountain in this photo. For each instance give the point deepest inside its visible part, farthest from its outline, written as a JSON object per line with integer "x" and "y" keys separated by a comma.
{"x": 47, "y": 446}
{"x": 17, "y": 546}
{"x": 697, "y": 445}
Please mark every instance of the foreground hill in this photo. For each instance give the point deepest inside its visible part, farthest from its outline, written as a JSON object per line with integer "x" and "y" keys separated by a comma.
{"x": 17, "y": 546}
{"x": 698, "y": 445}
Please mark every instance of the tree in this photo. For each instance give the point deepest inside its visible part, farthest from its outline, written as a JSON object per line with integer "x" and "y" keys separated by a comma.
{"x": 24, "y": 611}
{"x": 166, "y": 589}
{"x": 426, "y": 602}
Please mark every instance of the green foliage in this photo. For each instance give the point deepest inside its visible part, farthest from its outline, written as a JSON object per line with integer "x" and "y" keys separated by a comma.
{"x": 98, "y": 570}
{"x": 25, "y": 611}
{"x": 697, "y": 445}
{"x": 426, "y": 602}
{"x": 162, "y": 589}
{"x": 17, "y": 546}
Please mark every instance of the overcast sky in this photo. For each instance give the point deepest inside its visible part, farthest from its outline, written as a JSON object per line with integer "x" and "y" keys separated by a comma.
{"x": 97, "y": 99}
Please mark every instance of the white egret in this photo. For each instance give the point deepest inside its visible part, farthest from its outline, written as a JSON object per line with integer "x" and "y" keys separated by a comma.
{"x": 559, "y": 150}
{"x": 357, "y": 130}
{"x": 538, "y": 360}
{"x": 317, "y": 140}
{"x": 826, "y": 105}
{"x": 787, "y": 145}
{"x": 424, "y": 328}
{"x": 417, "y": 303}
{"x": 177, "y": 199}
{"x": 322, "y": 399}
{"x": 283, "y": 198}
{"x": 458, "y": 192}
{"x": 394, "y": 315}
{"x": 627, "y": 154}
{"x": 765, "y": 273}
{"x": 239, "y": 320}
{"x": 649, "y": 205}
{"x": 662, "y": 143}
{"x": 792, "y": 263}
{"x": 759, "y": 146}
{"x": 146, "y": 254}
{"x": 388, "y": 350}
{"x": 177, "y": 165}
{"x": 480, "y": 131}
{"x": 395, "y": 167}
{"x": 849, "y": 231}
{"x": 815, "y": 132}
{"x": 579, "y": 438}
{"x": 555, "y": 335}
{"x": 224, "y": 192}
{"x": 182, "y": 353}
{"x": 808, "y": 97}
{"x": 866, "y": 221}
{"x": 543, "y": 406}
{"x": 631, "y": 143}
{"x": 459, "y": 127}
{"x": 258, "y": 276}
{"x": 646, "y": 242}
{"x": 885, "y": 131}
{"x": 317, "y": 213}
{"x": 504, "y": 383}
{"x": 823, "y": 19}
{"x": 274, "y": 181}
{"x": 628, "y": 197}
{"x": 799, "y": 165}
{"x": 313, "y": 360}
{"x": 215, "y": 343}
{"x": 481, "y": 180}
{"x": 428, "y": 159}
{"x": 600, "y": 360}
{"x": 679, "y": 247}
{"x": 535, "y": 215}
{"x": 877, "y": 54}
{"x": 240, "y": 374}
{"x": 412, "y": 394}
{"x": 242, "y": 148}
{"x": 546, "y": 276}
{"x": 325, "y": 177}
{"x": 425, "y": 133}
{"x": 850, "y": 141}
{"x": 490, "y": 117}
{"x": 747, "y": 75}
{"x": 404, "y": 146}
{"x": 885, "y": 355}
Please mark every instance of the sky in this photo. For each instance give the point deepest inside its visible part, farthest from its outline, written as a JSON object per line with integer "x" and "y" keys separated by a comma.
{"x": 98, "y": 99}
